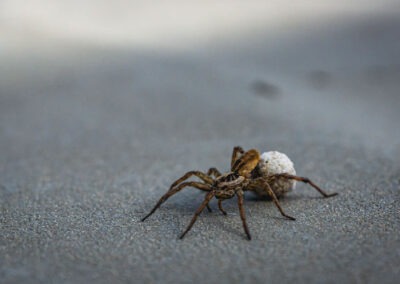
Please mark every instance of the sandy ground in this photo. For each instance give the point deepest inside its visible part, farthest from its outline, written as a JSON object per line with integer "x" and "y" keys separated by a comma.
{"x": 91, "y": 136}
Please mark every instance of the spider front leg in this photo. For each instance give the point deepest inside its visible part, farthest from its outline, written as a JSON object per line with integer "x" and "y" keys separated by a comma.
{"x": 306, "y": 180}
{"x": 207, "y": 199}
{"x": 172, "y": 191}
{"x": 204, "y": 177}
{"x": 242, "y": 213}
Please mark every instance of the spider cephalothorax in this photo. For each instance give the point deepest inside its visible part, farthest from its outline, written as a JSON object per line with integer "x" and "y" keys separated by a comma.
{"x": 245, "y": 175}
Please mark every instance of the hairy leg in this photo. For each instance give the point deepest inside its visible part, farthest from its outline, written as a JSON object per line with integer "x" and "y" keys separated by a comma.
{"x": 263, "y": 183}
{"x": 172, "y": 191}
{"x": 236, "y": 153}
{"x": 209, "y": 196}
{"x": 204, "y": 177}
{"x": 242, "y": 214}
{"x": 306, "y": 180}
{"x": 220, "y": 207}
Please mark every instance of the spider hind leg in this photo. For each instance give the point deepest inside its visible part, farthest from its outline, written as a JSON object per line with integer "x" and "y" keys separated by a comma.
{"x": 263, "y": 183}
{"x": 308, "y": 181}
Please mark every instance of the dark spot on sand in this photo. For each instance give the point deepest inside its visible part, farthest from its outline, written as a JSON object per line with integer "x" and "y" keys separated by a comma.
{"x": 265, "y": 89}
{"x": 319, "y": 79}
{"x": 382, "y": 74}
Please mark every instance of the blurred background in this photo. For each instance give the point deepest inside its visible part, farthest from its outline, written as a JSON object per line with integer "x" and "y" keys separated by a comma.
{"x": 103, "y": 103}
{"x": 295, "y": 61}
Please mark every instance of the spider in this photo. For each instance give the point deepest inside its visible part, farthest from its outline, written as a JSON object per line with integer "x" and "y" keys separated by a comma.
{"x": 244, "y": 176}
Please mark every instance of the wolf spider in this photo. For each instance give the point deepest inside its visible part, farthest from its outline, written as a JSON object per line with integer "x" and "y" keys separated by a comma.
{"x": 244, "y": 176}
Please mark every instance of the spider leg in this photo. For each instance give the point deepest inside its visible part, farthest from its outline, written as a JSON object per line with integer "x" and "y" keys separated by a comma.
{"x": 276, "y": 201}
{"x": 306, "y": 180}
{"x": 204, "y": 177}
{"x": 242, "y": 214}
{"x": 209, "y": 196}
{"x": 209, "y": 208}
{"x": 237, "y": 151}
{"x": 263, "y": 183}
{"x": 220, "y": 207}
{"x": 172, "y": 191}
{"x": 213, "y": 171}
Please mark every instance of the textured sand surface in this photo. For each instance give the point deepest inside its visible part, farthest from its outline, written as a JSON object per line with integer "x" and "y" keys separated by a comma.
{"x": 91, "y": 138}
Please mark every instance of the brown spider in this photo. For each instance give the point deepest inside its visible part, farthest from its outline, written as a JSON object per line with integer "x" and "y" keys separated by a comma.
{"x": 244, "y": 176}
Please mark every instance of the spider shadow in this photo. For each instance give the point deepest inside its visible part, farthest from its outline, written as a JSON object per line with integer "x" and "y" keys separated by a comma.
{"x": 184, "y": 207}
{"x": 266, "y": 204}
{"x": 215, "y": 217}
{"x": 225, "y": 223}
{"x": 288, "y": 198}
{"x": 251, "y": 197}
{"x": 230, "y": 229}
{"x": 233, "y": 215}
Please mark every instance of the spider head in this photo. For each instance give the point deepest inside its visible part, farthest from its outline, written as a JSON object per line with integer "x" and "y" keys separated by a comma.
{"x": 246, "y": 163}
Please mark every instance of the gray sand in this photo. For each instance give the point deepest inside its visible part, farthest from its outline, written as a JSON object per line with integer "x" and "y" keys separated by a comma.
{"x": 91, "y": 138}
